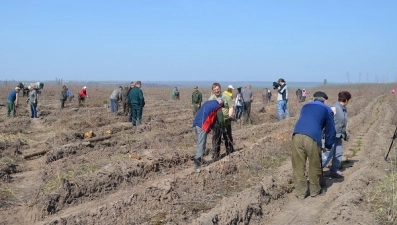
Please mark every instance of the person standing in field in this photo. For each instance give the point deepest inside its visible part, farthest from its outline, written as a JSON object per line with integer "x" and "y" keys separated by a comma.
{"x": 340, "y": 120}
{"x": 248, "y": 97}
{"x": 282, "y": 98}
{"x": 124, "y": 100}
{"x": 175, "y": 94}
{"x": 115, "y": 97}
{"x": 63, "y": 96}
{"x": 137, "y": 102}
{"x": 204, "y": 121}
{"x": 239, "y": 104}
{"x": 197, "y": 99}
{"x": 228, "y": 111}
{"x": 32, "y": 102}
{"x": 12, "y": 102}
{"x": 315, "y": 117}
{"x": 82, "y": 95}
{"x": 304, "y": 93}
{"x": 299, "y": 94}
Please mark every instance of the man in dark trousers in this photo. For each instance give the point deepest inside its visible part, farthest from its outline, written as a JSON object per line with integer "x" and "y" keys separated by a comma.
{"x": 315, "y": 117}
{"x": 137, "y": 102}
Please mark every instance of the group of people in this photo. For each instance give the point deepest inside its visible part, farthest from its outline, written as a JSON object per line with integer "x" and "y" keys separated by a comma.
{"x": 132, "y": 100}
{"x": 318, "y": 120}
{"x": 301, "y": 94}
{"x": 13, "y": 100}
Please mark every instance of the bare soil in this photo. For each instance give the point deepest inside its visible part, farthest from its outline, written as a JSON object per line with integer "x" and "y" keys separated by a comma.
{"x": 51, "y": 174}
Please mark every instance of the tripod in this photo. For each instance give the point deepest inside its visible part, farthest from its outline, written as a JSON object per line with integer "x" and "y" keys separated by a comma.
{"x": 391, "y": 144}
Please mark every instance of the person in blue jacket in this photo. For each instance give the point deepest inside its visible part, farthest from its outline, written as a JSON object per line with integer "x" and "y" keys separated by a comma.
{"x": 315, "y": 118}
{"x": 205, "y": 119}
{"x": 12, "y": 102}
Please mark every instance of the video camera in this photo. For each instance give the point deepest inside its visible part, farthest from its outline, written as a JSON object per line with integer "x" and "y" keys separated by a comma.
{"x": 275, "y": 85}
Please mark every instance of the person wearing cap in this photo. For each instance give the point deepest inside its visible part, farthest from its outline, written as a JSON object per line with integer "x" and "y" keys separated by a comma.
{"x": 340, "y": 120}
{"x": 175, "y": 93}
{"x": 82, "y": 95}
{"x": 248, "y": 97}
{"x": 32, "y": 102}
{"x": 115, "y": 97}
{"x": 206, "y": 118}
{"x": 63, "y": 96}
{"x": 12, "y": 102}
{"x": 229, "y": 91}
{"x": 315, "y": 118}
{"x": 282, "y": 98}
{"x": 228, "y": 113}
{"x": 197, "y": 99}
{"x": 137, "y": 102}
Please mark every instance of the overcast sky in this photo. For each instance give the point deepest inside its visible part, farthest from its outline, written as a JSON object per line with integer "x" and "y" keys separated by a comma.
{"x": 181, "y": 40}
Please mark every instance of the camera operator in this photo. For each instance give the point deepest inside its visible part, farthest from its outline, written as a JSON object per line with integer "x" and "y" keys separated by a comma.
{"x": 282, "y": 98}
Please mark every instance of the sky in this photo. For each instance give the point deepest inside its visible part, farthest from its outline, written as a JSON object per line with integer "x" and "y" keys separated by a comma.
{"x": 211, "y": 40}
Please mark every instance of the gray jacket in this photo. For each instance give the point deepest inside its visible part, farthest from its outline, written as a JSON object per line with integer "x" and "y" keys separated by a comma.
{"x": 340, "y": 120}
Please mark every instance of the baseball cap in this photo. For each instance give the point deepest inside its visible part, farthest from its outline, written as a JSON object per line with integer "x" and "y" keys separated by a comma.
{"x": 195, "y": 87}
{"x": 230, "y": 86}
{"x": 320, "y": 94}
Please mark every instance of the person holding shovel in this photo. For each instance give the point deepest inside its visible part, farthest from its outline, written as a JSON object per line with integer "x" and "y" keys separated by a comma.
{"x": 315, "y": 117}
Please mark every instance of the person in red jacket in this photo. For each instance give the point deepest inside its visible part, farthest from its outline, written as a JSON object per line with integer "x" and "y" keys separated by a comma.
{"x": 82, "y": 95}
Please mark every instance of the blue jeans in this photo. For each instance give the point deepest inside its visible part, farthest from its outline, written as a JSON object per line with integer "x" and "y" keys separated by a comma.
{"x": 335, "y": 154}
{"x": 33, "y": 110}
{"x": 114, "y": 105}
{"x": 239, "y": 111}
{"x": 201, "y": 137}
{"x": 282, "y": 108}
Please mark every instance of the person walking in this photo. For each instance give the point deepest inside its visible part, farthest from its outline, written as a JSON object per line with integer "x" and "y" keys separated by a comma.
{"x": 115, "y": 97}
{"x": 63, "y": 96}
{"x": 340, "y": 120}
{"x": 12, "y": 102}
{"x": 137, "y": 102}
{"x": 248, "y": 97}
{"x": 304, "y": 93}
{"x": 228, "y": 112}
{"x": 124, "y": 100}
{"x": 282, "y": 98}
{"x": 239, "y": 104}
{"x": 82, "y": 95}
{"x": 315, "y": 117}
{"x": 204, "y": 121}
{"x": 197, "y": 99}
{"x": 32, "y": 99}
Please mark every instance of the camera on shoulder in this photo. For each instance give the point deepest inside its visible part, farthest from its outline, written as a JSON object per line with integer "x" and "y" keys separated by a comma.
{"x": 275, "y": 85}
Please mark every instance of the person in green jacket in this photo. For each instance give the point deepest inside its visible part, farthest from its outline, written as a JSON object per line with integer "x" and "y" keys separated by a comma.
{"x": 197, "y": 98}
{"x": 175, "y": 94}
{"x": 63, "y": 96}
{"x": 228, "y": 113}
{"x": 137, "y": 102}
